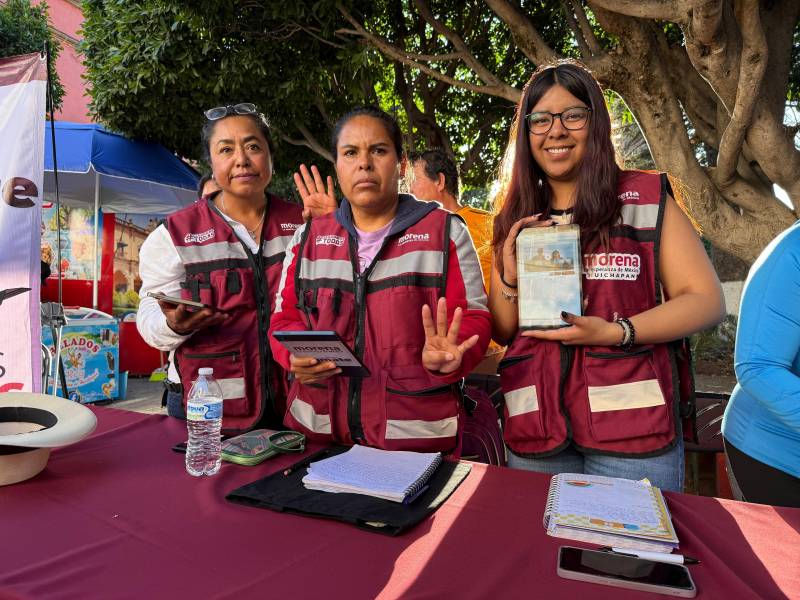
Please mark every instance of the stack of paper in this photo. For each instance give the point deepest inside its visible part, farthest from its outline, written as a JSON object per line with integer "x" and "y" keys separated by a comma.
{"x": 391, "y": 475}
{"x": 609, "y": 511}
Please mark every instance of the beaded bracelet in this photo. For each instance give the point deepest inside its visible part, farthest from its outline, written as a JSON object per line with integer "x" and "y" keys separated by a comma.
{"x": 510, "y": 296}
{"x": 508, "y": 285}
{"x": 629, "y": 333}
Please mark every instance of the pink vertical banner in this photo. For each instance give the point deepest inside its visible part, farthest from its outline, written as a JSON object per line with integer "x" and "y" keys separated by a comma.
{"x": 23, "y": 81}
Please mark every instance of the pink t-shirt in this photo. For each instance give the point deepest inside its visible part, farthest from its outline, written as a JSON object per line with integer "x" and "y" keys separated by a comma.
{"x": 369, "y": 242}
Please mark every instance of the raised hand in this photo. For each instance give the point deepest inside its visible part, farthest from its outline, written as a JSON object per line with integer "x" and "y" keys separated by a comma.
{"x": 185, "y": 321}
{"x": 318, "y": 200}
{"x": 442, "y": 352}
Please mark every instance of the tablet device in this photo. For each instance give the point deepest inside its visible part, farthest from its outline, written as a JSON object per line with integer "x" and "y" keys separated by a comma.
{"x": 176, "y": 300}
{"x": 324, "y": 346}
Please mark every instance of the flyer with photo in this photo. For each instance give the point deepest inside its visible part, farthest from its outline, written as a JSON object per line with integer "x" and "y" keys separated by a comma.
{"x": 548, "y": 275}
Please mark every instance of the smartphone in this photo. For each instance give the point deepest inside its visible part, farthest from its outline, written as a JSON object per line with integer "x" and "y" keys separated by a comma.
{"x": 324, "y": 346}
{"x": 607, "y": 568}
{"x": 176, "y": 300}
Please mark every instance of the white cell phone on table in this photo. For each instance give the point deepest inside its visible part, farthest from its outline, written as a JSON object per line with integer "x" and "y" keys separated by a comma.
{"x": 607, "y": 568}
{"x": 175, "y": 300}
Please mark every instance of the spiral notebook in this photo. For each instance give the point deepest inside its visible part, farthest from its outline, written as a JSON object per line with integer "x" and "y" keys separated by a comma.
{"x": 398, "y": 476}
{"x": 610, "y": 511}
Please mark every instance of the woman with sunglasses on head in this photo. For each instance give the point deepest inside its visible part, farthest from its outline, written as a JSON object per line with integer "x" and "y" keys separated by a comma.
{"x": 600, "y": 395}
{"x": 224, "y": 251}
{"x": 400, "y": 282}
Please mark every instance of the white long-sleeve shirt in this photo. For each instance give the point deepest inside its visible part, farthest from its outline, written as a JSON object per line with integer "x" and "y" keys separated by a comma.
{"x": 161, "y": 270}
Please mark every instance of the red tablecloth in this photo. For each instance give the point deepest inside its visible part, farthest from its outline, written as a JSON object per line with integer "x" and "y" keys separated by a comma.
{"x": 116, "y": 516}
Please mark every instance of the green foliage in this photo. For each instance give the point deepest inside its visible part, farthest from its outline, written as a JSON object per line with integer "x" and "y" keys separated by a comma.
{"x": 23, "y": 30}
{"x": 155, "y": 65}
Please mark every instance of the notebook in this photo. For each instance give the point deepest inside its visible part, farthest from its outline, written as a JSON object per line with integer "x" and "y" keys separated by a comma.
{"x": 609, "y": 511}
{"x": 398, "y": 476}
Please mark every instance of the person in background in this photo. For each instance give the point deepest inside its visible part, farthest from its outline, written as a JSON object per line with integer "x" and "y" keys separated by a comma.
{"x": 435, "y": 177}
{"x": 399, "y": 281}
{"x": 225, "y": 251}
{"x": 206, "y": 186}
{"x": 761, "y": 425}
{"x": 599, "y": 395}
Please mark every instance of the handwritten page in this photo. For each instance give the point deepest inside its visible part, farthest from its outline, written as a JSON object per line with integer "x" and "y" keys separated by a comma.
{"x": 392, "y": 475}
{"x": 618, "y": 501}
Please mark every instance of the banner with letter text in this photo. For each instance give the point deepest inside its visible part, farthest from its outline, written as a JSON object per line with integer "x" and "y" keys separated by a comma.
{"x": 23, "y": 81}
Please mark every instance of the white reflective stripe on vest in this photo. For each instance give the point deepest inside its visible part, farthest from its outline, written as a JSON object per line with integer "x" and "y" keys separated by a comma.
{"x": 521, "y": 401}
{"x": 276, "y": 245}
{"x": 232, "y": 388}
{"x": 640, "y": 216}
{"x": 427, "y": 262}
{"x": 304, "y": 414}
{"x": 211, "y": 252}
{"x": 408, "y": 430}
{"x": 626, "y": 396}
{"x": 326, "y": 268}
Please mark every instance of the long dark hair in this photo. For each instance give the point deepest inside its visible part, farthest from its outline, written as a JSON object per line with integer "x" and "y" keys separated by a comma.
{"x": 523, "y": 189}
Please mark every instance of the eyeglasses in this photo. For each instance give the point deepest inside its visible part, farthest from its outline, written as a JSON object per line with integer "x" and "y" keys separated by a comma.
{"x": 218, "y": 112}
{"x": 540, "y": 123}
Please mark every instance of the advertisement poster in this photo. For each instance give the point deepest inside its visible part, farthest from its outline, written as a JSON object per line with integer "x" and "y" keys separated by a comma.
{"x": 22, "y": 112}
{"x": 77, "y": 239}
{"x": 90, "y": 353}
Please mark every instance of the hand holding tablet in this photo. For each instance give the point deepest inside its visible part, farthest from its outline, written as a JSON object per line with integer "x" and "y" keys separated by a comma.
{"x": 184, "y": 317}
{"x": 317, "y": 355}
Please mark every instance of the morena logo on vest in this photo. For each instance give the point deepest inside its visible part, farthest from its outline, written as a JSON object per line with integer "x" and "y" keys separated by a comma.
{"x": 629, "y": 195}
{"x": 199, "y": 238}
{"x": 290, "y": 226}
{"x": 329, "y": 240}
{"x": 611, "y": 266}
{"x": 414, "y": 237}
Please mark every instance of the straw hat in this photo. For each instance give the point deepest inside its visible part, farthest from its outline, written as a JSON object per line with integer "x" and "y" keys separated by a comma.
{"x": 32, "y": 424}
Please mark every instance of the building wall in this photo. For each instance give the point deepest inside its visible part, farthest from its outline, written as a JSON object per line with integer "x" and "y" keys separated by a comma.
{"x": 66, "y": 19}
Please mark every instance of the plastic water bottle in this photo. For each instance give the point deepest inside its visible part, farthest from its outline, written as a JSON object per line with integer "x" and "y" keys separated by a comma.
{"x": 204, "y": 421}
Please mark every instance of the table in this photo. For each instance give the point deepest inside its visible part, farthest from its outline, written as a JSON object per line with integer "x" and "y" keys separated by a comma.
{"x": 116, "y": 516}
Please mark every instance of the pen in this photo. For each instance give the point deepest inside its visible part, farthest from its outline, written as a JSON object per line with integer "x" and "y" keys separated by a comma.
{"x": 306, "y": 461}
{"x": 675, "y": 559}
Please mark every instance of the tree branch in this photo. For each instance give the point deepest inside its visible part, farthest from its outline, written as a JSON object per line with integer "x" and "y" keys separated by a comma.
{"x": 523, "y": 32}
{"x": 660, "y": 10}
{"x": 458, "y": 43}
{"x": 706, "y": 20}
{"x": 500, "y": 90}
{"x": 586, "y": 27}
{"x": 309, "y": 141}
{"x": 752, "y": 65}
{"x": 576, "y": 30}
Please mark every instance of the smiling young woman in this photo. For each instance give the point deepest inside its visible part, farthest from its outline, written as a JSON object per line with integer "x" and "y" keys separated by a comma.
{"x": 600, "y": 394}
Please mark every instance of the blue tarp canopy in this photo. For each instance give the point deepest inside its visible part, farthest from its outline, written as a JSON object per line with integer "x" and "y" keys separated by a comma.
{"x": 98, "y": 168}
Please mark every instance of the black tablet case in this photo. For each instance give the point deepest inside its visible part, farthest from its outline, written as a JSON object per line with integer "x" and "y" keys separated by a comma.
{"x": 286, "y": 493}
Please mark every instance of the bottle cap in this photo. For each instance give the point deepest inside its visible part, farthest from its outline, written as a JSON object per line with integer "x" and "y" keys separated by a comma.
{"x": 205, "y": 371}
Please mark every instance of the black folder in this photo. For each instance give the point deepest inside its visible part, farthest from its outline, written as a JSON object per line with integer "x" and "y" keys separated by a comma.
{"x": 286, "y": 493}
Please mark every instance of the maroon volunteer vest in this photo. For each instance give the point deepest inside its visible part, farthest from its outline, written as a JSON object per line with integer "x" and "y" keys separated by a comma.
{"x": 223, "y": 273}
{"x": 400, "y": 406}
{"x": 603, "y": 399}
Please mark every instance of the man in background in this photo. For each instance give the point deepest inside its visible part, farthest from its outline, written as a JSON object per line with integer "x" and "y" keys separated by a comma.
{"x": 435, "y": 177}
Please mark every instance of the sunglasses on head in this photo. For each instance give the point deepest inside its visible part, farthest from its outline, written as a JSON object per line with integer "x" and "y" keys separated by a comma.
{"x": 218, "y": 112}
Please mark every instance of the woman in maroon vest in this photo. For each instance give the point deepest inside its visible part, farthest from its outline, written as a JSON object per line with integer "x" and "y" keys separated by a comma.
{"x": 602, "y": 394}
{"x": 226, "y": 251}
{"x": 376, "y": 271}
